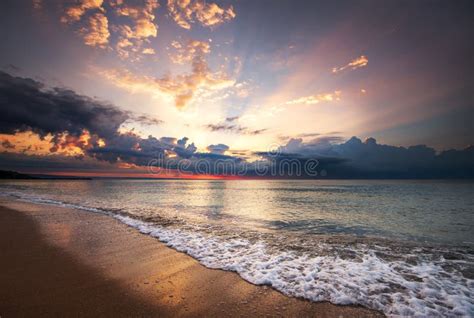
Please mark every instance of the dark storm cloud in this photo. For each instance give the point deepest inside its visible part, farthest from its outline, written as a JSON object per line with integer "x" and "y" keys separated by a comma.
{"x": 357, "y": 159}
{"x": 133, "y": 149}
{"x": 326, "y": 156}
{"x": 27, "y": 105}
{"x": 11, "y": 67}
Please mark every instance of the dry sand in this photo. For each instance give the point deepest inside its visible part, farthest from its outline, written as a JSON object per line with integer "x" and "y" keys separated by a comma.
{"x": 64, "y": 262}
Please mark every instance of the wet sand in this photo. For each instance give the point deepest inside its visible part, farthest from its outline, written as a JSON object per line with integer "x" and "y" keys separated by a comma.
{"x": 64, "y": 262}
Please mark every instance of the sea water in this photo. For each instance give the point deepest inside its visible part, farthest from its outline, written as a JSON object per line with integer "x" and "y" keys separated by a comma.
{"x": 401, "y": 247}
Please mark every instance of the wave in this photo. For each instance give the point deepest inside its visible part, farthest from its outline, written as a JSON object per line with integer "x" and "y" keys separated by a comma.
{"x": 397, "y": 279}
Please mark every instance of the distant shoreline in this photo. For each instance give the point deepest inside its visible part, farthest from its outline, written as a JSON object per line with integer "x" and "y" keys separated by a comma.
{"x": 13, "y": 175}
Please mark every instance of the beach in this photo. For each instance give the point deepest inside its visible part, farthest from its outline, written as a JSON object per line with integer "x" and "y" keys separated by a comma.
{"x": 59, "y": 261}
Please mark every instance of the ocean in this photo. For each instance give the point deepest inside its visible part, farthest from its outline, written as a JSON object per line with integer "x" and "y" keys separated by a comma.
{"x": 399, "y": 246}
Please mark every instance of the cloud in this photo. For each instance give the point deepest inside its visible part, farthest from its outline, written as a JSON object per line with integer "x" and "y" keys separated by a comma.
{"x": 316, "y": 99}
{"x": 97, "y": 31}
{"x": 64, "y": 119}
{"x": 27, "y": 105}
{"x": 257, "y": 131}
{"x": 232, "y": 119}
{"x": 355, "y": 158}
{"x": 141, "y": 15}
{"x": 74, "y": 13}
{"x": 181, "y": 87}
{"x": 304, "y": 135}
{"x": 189, "y": 51}
{"x": 230, "y": 125}
{"x": 131, "y": 39}
{"x": 243, "y": 89}
{"x": 28, "y": 142}
{"x": 145, "y": 120}
{"x": 132, "y": 149}
{"x": 6, "y": 144}
{"x": 132, "y": 33}
{"x": 218, "y": 149}
{"x": 37, "y": 4}
{"x": 148, "y": 51}
{"x": 359, "y": 62}
{"x": 317, "y": 146}
{"x": 209, "y": 14}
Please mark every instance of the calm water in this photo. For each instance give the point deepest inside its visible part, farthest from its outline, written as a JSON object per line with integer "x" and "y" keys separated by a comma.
{"x": 403, "y": 247}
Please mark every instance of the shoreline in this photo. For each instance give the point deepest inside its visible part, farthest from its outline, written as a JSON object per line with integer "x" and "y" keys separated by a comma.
{"x": 62, "y": 261}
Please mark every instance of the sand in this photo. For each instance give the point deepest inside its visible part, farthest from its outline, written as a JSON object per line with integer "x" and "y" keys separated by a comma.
{"x": 64, "y": 262}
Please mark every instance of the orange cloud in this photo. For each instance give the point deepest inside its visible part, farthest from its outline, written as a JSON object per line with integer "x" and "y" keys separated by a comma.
{"x": 359, "y": 62}
{"x": 190, "y": 50}
{"x": 142, "y": 17}
{"x": 148, "y": 51}
{"x": 132, "y": 38}
{"x": 316, "y": 99}
{"x": 97, "y": 32}
{"x": 182, "y": 87}
{"x": 185, "y": 12}
{"x": 75, "y": 12}
{"x": 32, "y": 144}
{"x": 123, "y": 43}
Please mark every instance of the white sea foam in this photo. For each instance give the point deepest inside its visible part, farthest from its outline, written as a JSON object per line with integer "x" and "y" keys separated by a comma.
{"x": 41, "y": 200}
{"x": 396, "y": 287}
{"x": 372, "y": 282}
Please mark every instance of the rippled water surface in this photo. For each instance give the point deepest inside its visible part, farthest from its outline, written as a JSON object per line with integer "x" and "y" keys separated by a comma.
{"x": 402, "y": 247}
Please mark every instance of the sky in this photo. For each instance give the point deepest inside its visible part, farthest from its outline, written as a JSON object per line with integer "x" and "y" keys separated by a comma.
{"x": 104, "y": 87}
